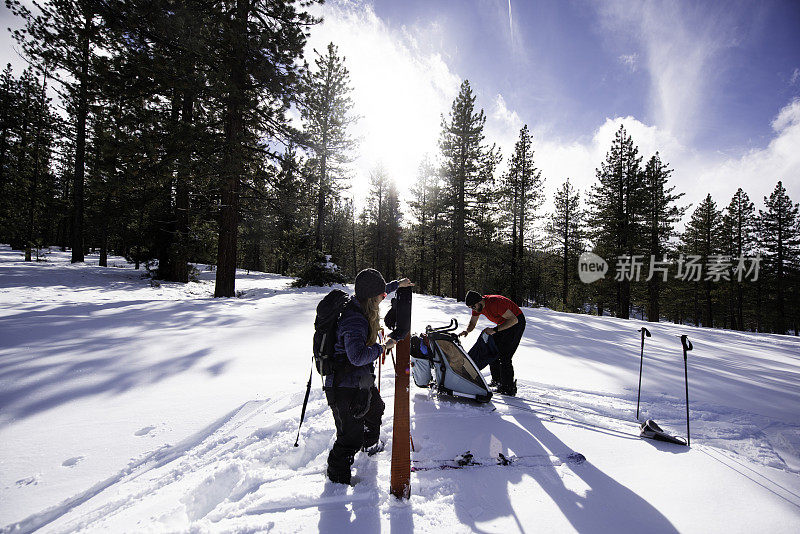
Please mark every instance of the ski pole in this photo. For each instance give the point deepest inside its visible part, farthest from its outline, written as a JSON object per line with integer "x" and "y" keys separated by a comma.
{"x": 305, "y": 403}
{"x": 645, "y": 332}
{"x": 380, "y": 361}
{"x": 687, "y": 346}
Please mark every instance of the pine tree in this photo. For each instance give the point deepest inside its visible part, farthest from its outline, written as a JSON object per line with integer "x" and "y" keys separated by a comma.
{"x": 703, "y": 238}
{"x": 8, "y": 120}
{"x": 158, "y": 51}
{"x": 660, "y": 216}
{"x": 29, "y": 132}
{"x": 384, "y": 220}
{"x": 290, "y": 214}
{"x": 467, "y": 164}
{"x": 431, "y": 249}
{"x": 327, "y": 115}
{"x": 617, "y": 202}
{"x": 484, "y": 226}
{"x": 524, "y": 195}
{"x": 780, "y": 236}
{"x": 565, "y": 229}
{"x": 64, "y": 38}
{"x": 259, "y": 44}
{"x": 18, "y": 104}
{"x": 739, "y": 224}
{"x": 376, "y": 206}
{"x": 421, "y": 209}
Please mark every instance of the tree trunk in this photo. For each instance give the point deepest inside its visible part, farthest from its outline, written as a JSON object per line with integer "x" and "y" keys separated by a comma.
{"x": 781, "y": 326}
{"x": 565, "y": 282}
{"x": 353, "y": 217}
{"x": 565, "y": 267}
{"x": 104, "y": 244}
{"x": 80, "y": 145}
{"x": 5, "y": 117}
{"x": 514, "y": 269}
{"x": 460, "y": 290}
{"x": 180, "y": 260}
{"x": 758, "y": 305}
{"x": 321, "y": 197}
{"x": 233, "y": 162}
{"x": 35, "y": 180}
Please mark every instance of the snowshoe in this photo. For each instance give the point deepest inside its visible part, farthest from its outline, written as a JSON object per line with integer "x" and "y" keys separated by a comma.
{"x": 375, "y": 448}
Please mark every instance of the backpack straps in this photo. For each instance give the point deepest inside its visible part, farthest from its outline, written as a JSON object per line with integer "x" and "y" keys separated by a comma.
{"x": 341, "y": 364}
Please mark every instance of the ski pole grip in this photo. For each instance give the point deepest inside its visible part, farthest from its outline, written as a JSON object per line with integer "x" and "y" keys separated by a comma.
{"x": 645, "y": 332}
{"x": 687, "y": 345}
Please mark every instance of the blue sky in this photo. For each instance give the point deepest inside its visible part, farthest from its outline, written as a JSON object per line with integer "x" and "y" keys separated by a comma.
{"x": 713, "y": 86}
{"x": 565, "y": 63}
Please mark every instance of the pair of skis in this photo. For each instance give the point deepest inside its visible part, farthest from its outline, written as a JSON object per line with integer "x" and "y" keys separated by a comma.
{"x": 468, "y": 460}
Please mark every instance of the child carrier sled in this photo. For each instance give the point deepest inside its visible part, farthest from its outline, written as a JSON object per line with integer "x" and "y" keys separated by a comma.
{"x": 438, "y": 360}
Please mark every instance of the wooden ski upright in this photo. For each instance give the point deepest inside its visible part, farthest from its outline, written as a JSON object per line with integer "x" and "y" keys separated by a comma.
{"x": 401, "y": 432}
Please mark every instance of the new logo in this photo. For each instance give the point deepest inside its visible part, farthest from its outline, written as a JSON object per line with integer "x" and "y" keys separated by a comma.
{"x": 591, "y": 267}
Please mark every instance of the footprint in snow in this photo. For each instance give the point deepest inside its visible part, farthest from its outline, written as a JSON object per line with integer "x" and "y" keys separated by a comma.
{"x": 72, "y": 462}
{"x": 144, "y": 431}
{"x": 34, "y": 480}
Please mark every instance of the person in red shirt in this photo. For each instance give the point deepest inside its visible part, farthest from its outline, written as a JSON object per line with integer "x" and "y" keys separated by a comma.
{"x": 507, "y": 334}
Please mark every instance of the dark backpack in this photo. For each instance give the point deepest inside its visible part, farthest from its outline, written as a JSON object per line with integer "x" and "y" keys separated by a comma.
{"x": 329, "y": 311}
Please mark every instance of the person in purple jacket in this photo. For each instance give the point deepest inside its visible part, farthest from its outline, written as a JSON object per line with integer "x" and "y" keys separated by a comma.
{"x": 351, "y": 393}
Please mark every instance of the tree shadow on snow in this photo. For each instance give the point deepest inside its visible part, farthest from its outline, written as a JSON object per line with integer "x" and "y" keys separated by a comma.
{"x": 607, "y": 505}
{"x": 73, "y": 351}
{"x": 483, "y": 494}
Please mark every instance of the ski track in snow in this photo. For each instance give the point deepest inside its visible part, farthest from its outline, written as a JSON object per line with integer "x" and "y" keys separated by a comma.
{"x": 242, "y": 473}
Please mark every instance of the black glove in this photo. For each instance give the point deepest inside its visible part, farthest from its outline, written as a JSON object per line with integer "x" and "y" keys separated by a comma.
{"x": 360, "y": 405}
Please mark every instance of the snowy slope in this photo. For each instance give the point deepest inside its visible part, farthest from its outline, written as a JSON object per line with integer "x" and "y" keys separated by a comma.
{"x": 129, "y": 407}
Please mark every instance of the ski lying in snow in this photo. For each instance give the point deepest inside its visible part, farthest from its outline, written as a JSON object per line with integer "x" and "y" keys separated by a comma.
{"x": 467, "y": 460}
{"x": 651, "y": 430}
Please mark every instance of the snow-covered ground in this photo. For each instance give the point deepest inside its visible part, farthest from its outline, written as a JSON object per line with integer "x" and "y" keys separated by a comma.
{"x": 127, "y": 406}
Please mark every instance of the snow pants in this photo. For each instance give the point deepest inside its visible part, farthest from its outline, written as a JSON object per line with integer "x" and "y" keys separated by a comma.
{"x": 352, "y": 434}
{"x": 507, "y": 342}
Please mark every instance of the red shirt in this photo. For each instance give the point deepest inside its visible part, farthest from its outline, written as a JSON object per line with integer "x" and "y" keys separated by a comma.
{"x": 495, "y": 306}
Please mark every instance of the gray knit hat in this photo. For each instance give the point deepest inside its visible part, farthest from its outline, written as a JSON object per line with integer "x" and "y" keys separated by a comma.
{"x": 369, "y": 283}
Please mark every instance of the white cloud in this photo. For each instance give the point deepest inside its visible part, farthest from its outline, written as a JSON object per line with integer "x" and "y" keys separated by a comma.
{"x": 502, "y": 127}
{"x": 695, "y": 174}
{"x": 795, "y": 77}
{"x": 680, "y": 43}
{"x": 757, "y": 171}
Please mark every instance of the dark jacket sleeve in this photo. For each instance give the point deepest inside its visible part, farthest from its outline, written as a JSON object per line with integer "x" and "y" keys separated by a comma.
{"x": 354, "y": 334}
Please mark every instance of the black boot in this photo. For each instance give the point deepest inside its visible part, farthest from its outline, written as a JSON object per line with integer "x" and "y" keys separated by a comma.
{"x": 339, "y": 478}
{"x": 509, "y": 390}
